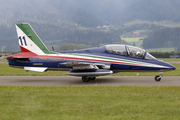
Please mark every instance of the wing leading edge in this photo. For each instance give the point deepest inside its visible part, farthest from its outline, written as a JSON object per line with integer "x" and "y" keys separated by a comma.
{"x": 88, "y": 69}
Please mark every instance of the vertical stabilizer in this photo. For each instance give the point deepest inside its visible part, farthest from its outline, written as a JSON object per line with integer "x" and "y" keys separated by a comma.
{"x": 29, "y": 40}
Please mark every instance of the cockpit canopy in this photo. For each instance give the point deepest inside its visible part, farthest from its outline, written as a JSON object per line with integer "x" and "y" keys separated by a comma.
{"x": 130, "y": 51}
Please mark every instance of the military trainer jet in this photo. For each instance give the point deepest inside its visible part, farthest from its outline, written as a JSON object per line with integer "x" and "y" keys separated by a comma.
{"x": 86, "y": 63}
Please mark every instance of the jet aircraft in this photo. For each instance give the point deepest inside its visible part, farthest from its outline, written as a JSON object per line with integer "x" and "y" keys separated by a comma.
{"x": 86, "y": 63}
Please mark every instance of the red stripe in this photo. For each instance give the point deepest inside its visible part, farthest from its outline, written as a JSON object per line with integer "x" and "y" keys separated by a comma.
{"x": 85, "y": 59}
{"x": 27, "y": 53}
{"x": 24, "y": 49}
{"x": 24, "y": 54}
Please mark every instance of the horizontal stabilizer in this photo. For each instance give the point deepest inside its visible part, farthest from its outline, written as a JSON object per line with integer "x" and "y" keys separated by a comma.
{"x": 37, "y": 69}
{"x": 96, "y": 72}
{"x": 16, "y": 57}
{"x": 25, "y": 54}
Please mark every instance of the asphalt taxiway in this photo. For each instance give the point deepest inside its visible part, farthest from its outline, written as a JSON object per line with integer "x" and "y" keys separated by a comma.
{"x": 76, "y": 81}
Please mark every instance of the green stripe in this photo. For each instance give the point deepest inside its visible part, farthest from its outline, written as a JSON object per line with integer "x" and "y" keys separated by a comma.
{"x": 26, "y": 28}
{"x": 120, "y": 60}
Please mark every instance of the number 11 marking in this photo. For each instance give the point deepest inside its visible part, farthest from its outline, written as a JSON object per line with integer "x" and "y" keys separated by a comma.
{"x": 22, "y": 41}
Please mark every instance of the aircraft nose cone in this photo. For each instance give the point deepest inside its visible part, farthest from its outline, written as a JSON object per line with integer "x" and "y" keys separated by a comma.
{"x": 169, "y": 66}
{"x": 172, "y": 67}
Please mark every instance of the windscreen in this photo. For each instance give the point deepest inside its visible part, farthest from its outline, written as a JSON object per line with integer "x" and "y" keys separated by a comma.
{"x": 131, "y": 51}
{"x": 149, "y": 57}
{"x": 135, "y": 52}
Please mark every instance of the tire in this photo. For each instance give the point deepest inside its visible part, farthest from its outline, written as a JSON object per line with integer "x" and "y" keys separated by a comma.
{"x": 92, "y": 78}
{"x": 85, "y": 78}
{"x": 157, "y": 78}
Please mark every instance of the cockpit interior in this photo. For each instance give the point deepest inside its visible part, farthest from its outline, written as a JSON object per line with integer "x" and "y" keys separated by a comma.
{"x": 129, "y": 51}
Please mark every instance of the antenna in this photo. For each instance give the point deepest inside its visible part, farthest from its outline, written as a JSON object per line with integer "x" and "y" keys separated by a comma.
{"x": 52, "y": 48}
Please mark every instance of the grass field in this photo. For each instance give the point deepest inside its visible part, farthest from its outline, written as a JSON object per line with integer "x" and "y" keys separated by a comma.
{"x": 161, "y": 49}
{"x": 131, "y": 39}
{"x": 170, "y": 59}
{"x": 79, "y": 103}
{"x": 3, "y": 60}
{"x": 91, "y": 103}
{"x": 5, "y": 70}
{"x": 138, "y": 43}
{"x": 165, "y": 24}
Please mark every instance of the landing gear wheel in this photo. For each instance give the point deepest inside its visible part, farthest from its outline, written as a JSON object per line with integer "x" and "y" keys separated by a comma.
{"x": 85, "y": 78}
{"x": 157, "y": 78}
{"x": 92, "y": 78}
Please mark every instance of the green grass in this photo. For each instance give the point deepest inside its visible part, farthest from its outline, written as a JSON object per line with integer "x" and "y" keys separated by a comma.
{"x": 138, "y": 43}
{"x": 170, "y": 59}
{"x": 92, "y": 103}
{"x": 5, "y": 70}
{"x": 165, "y": 24}
{"x": 131, "y": 39}
{"x": 3, "y": 60}
{"x": 161, "y": 49}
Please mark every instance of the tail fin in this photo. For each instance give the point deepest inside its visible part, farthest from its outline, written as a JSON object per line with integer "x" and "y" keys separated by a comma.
{"x": 29, "y": 40}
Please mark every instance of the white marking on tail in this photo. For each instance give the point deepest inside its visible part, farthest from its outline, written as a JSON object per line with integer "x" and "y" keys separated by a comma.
{"x": 26, "y": 42}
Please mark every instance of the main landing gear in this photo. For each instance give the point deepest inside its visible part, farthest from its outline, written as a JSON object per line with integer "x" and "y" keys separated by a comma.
{"x": 88, "y": 78}
{"x": 158, "y": 77}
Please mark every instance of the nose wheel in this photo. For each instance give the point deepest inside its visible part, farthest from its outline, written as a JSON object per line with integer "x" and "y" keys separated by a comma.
{"x": 158, "y": 77}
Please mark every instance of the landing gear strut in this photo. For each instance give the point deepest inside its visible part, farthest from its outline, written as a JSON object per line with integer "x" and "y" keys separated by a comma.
{"x": 158, "y": 77}
{"x": 88, "y": 78}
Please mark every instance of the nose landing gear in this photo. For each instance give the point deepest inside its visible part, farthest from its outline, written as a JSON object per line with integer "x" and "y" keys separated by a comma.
{"x": 158, "y": 77}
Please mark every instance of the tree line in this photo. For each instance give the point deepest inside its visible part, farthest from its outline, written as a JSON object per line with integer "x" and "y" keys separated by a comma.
{"x": 127, "y": 31}
{"x": 166, "y": 37}
{"x": 59, "y": 35}
{"x": 164, "y": 54}
{"x": 149, "y": 10}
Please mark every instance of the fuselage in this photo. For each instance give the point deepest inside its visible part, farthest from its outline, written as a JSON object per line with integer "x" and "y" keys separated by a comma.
{"x": 117, "y": 60}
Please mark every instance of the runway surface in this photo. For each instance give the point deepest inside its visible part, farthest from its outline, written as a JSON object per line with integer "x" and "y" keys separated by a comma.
{"x": 76, "y": 81}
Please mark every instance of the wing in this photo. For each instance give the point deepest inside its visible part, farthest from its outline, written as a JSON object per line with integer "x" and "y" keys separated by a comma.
{"x": 87, "y": 69}
{"x": 86, "y": 66}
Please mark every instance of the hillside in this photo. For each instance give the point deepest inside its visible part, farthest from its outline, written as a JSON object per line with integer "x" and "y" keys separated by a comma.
{"x": 50, "y": 19}
{"x": 102, "y": 8}
{"x": 45, "y": 11}
{"x": 74, "y": 21}
{"x": 88, "y": 13}
{"x": 149, "y": 10}
{"x": 56, "y": 36}
{"x": 166, "y": 37}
